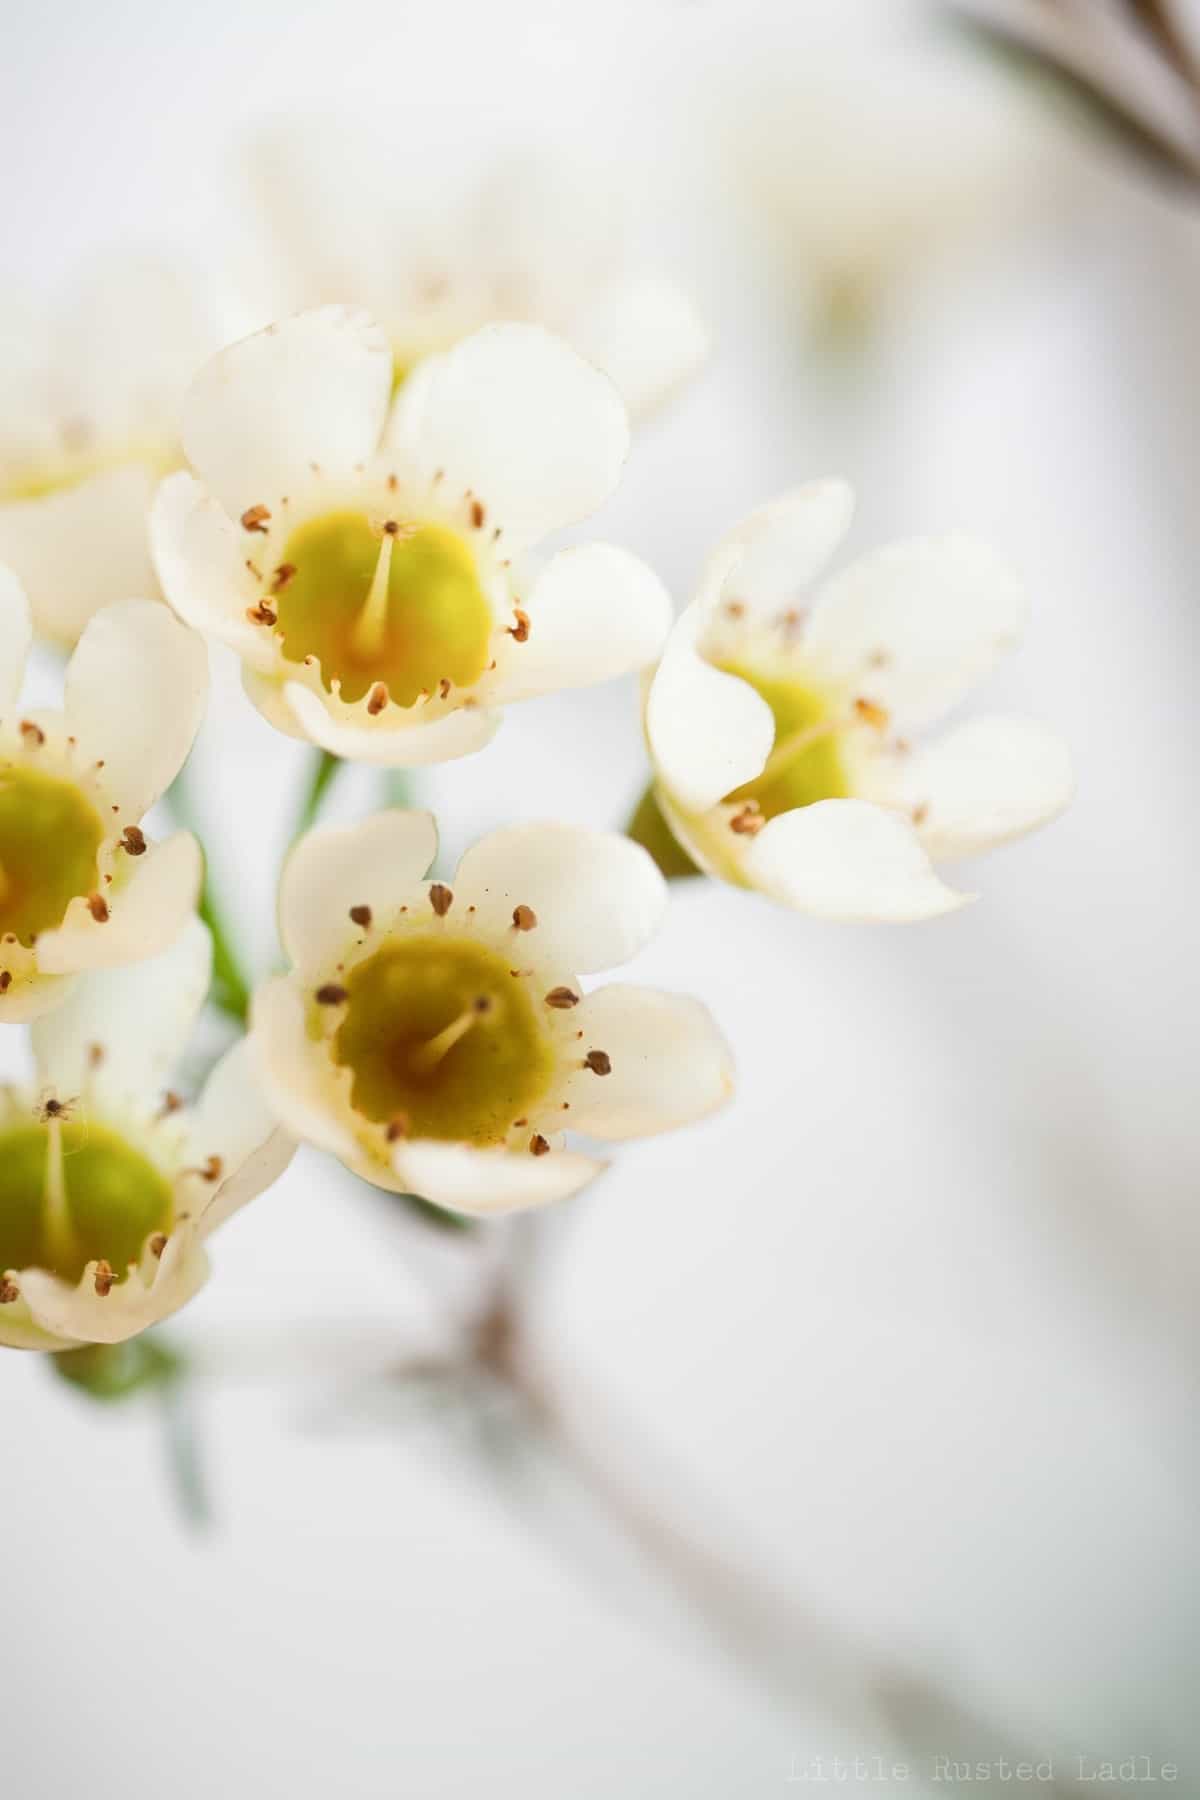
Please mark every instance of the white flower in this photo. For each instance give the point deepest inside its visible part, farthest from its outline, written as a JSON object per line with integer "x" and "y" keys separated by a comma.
{"x": 780, "y": 725}
{"x": 359, "y": 556}
{"x": 435, "y": 1036}
{"x": 80, "y": 887}
{"x": 536, "y": 240}
{"x": 109, "y": 1186}
{"x": 88, "y": 403}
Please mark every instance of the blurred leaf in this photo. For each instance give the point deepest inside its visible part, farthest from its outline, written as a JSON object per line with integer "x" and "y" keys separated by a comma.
{"x": 323, "y": 768}
{"x": 110, "y": 1372}
{"x": 649, "y": 829}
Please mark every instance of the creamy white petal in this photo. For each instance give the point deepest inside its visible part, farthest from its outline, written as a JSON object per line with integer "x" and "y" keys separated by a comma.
{"x": 769, "y": 558}
{"x": 378, "y": 862}
{"x": 145, "y": 915}
{"x": 847, "y": 859}
{"x": 82, "y": 547}
{"x": 200, "y": 555}
{"x": 234, "y": 1122}
{"x": 312, "y": 389}
{"x": 520, "y": 420}
{"x": 914, "y": 626}
{"x": 597, "y": 895}
{"x": 80, "y": 1315}
{"x": 16, "y": 635}
{"x": 136, "y": 689}
{"x": 708, "y": 732}
{"x": 485, "y": 1182}
{"x": 595, "y": 612}
{"x": 986, "y": 781}
{"x": 298, "y": 1087}
{"x": 455, "y": 734}
{"x": 670, "y": 1063}
{"x": 646, "y": 335}
{"x": 139, "y": 1018}
{"x": 26, "y": 1000}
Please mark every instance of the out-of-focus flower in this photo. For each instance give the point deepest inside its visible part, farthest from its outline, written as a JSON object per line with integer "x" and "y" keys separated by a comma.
{"x": 109, "y": 1186}
{"x": 80, "y": 886}
{"x": 359, "y": 555}
{"x": 535, "y": 240}
{"x": 88, "y": 405}
{"x": 435, "y": 1036}
{"x": 781, "y": 726}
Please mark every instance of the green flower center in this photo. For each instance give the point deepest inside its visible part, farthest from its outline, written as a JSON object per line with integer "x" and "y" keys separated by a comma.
{"x": 72, "y": 1192}
{"x": 401, "y": 606}
{"x": 50, "y": 837}
{"x": 443, "y": 1042}
{"x": 805, "y": 764}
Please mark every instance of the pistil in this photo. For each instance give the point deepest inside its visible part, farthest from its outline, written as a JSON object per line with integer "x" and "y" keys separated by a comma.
{"x": 61, "y": 1243}
{"x": 427, "y": 1057}
{"x": 370, "y": 630}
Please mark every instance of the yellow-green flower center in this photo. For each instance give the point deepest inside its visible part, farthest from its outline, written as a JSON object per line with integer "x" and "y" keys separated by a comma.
{"x": 72, "y": 1192}
{"x": 443, "y": 1041}
{"x": 50, "y": 836}
{"x": 399, "y": 606}
{"x": 805, "y": 764}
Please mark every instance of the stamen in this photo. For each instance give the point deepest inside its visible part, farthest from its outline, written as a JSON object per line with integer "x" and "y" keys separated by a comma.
{"x": 524, "y": 918}
{"x": 133, "y": 841}
{"x": 361, "y": 915}
{"x": 157, "y": 1244}
{"x": 98, "y": 907}
{"x": 255, "y": 518}
{"x": 599, "y": 1062}
{"x": 370, "y": 630}
{"x": 33, "y": 734}
{"x": 538, "y": 1145}
{"x": 441, "y": 899}
{"x": 561, "y": 998}
{"x": 871, "y": 713}
{"x": 425, "y": 1059}
{"x": 9, "y": 1291}
{"x": 105, "y": 1278}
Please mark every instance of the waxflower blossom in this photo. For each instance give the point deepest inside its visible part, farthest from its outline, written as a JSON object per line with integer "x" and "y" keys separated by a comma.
{"x": 781, "y": 723}
{"x": 81, "y": 887}
{"x": 435, "y": 1035}
{"x": 88, "y": 400}
{"x": 361, "y": 556}
{"x": 538, "y": 239}
{"x": 109, "y": 1184}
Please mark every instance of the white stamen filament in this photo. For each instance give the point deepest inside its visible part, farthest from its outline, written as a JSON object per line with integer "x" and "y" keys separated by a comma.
{"x": 371, "y": 625}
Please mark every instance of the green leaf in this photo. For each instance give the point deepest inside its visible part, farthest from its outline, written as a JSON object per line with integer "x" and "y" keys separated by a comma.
{"x": 649, "y": 829}
{"x": 111, "y": 1372}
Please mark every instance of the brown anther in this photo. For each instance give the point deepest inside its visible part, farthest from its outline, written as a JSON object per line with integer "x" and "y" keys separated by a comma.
{"x": 171, "y": 1103}
{"x": 133, "y": 841}
{"x": 441, "y": 899}
{"x": 879, "y": 659}
{"x": 95, "y": 1056}
{"x": 282, "y": 576}
{"x": 478, "y": 515}
{"x": 332, "y": 994}
{"x": 871, "y": 713}
{"x": 562, "y": 998}
{"x": 518, "y": 1123}
{"x": 397, "y": 1128}
{"x": 520, "y": 631}
{"x": 262, "y": 614}
{"x": 98, "y": 907}
{"x": 524, "y": 918}
{"x": 33, "y": 734}
{"x": 920, "y": 813}
{"x": 444, "y": 688}
{"x": 105, "y": 1278}
{"x": 255, "y": 518}
{"x": 210, "y": 1169}
{"x": 538, "y": 1145}
{"x": 378, "y": 699}
{"x": 791, "y": 622}
{"x": 157, "y": 1244}
{"x": 54, "y": 1108}
{"x": 749, "y": 822}
{"x": 599, "y": 1062}
{"x": 9, "y": 1291}
{"x": 735, "y": 609}
{"x": 482, "y": 1004}
{"x": 5, "y": 980}
{"x": 393, "y": 484}
{"x": 361, "y": 915}
{"x": 391, "y": 526}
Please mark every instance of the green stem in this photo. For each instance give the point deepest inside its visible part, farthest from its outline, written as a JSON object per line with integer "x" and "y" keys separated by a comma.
{"x": 230, "y": 990}
{"x": 324, "y": 768}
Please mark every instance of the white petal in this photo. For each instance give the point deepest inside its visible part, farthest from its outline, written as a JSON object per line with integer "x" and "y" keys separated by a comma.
{"x": 523, "y": 422}
{"x": 82, "y": 547}
{"x": 708, "y": 732}
{"x": 312, "y": 389}
{"x": 140, "y": 1018}
{"x": 484, "y": 1182}
{"x": 597, "y": 895}
{"x": 985, "y": 782}
{"x": 136, "y": 689}
{"x": 915, "y": 625}
{"x": 291, "y": 1068}
{"x": 80, "y": 1315}
{"x": 376, "y": 863}
{"x": 200, "y": 556}
{"x": 847, "y": 859}
{"x": 595, "y": 612}
{"x": 646, "y": 335}
{"x": 234, "y": 1123}
{"x": 455, "y": 734}
{"x": 772, "y": 555}
{"x": 33, "y": 999}
{"x": 16, "y": 635}
{"x": 670, "y": 1064}
{"x": 145, "y": 915}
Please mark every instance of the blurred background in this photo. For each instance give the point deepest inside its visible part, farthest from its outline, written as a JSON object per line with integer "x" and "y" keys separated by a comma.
{"x": 887, "y": 1373}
